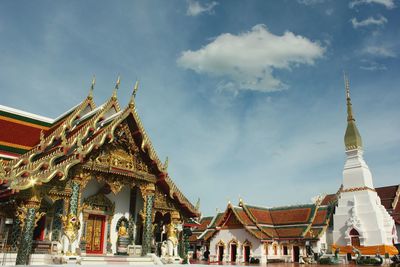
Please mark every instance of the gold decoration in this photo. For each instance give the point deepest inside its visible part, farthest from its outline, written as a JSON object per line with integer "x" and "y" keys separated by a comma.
{"x": 121, "y": 159}
{"x": 21, "y": 215}
{"x": 147, "y": 189}
{"x": 42, "y": 141}
{"x": 99, "y": 202}
{"x": 63, "y": 136}
{"x": 2, "y": 170}
{"x": 354, "y": 189}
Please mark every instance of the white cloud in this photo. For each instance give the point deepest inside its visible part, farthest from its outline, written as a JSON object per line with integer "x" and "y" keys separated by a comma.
{"x": 372, "y": 65}
{"x": 387, "y": 3}
{"x": 310, "y": 2}
{"x": 196, "y": 8}
{"x": 329, "y": 11}
{"x": 379, "y": 21}
{"x": 246, "y": 61}
{"x": 380, "y": 51}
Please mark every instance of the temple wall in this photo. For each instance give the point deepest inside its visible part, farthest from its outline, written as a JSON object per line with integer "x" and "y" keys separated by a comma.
{"x": 241, "y": 235}
{"x": 121, "y": 200}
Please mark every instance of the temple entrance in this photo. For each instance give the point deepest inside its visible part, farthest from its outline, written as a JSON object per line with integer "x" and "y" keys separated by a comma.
{"x": 233, "y": 252}
{"x": 355, "y": 238}
{"x": 220, "y": 253}
{"x": 38, "y": 233}
{"x": 296, "y": 253}
{"x": 95, "y": 234}
{"x": 247, "y": 254}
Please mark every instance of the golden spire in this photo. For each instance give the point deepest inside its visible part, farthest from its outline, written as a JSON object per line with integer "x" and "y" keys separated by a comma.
{"x": 352, "y": 137}
{"x": 92, "y": 87}
{"x": 133, "y": 96}
{"x": 116, "y": 87}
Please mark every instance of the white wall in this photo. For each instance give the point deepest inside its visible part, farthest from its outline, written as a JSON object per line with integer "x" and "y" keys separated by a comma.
{"x": 241, "y": 235}
{"x": 121, "y": 200}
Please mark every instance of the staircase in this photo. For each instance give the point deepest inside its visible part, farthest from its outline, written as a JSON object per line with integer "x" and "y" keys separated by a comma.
{"x": 118, "y": 260}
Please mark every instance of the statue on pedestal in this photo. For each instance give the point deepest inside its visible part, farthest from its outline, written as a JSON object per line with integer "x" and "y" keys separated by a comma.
{"x": 123, "y": 236}
{"x": 172, "y": 240}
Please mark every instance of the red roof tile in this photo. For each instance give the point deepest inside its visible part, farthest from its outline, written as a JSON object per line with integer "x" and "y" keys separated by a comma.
{"x": 291, "y": 215}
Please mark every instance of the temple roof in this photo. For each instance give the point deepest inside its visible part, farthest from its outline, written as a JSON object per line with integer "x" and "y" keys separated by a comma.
{"x": 53, "y": 147}
{"x": 289, "y": 222}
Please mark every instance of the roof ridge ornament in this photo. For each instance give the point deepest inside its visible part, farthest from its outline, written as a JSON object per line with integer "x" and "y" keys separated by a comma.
{"x": 165, "y": 165}
{"x": 117, "y": 83}
{"x": 90, "y": 96}
{"x": 133, "y": 96}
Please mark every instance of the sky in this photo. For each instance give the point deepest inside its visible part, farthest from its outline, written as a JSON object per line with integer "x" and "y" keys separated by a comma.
{"x": 246, "y": 98}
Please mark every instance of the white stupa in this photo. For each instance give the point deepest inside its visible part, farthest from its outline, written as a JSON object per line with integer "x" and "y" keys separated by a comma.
{"x": 360, "y": 220}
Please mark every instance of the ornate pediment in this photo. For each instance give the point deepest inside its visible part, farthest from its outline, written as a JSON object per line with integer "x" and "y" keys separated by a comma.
{"x": 121, "y": 155}
{"x": 162, "y": 201}
{"x": 99, "y": 202}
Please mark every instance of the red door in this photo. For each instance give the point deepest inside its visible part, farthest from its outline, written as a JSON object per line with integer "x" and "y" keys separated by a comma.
{"x": 95, "y": 234}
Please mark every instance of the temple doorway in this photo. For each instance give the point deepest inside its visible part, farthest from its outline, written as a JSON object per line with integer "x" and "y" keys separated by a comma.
{"x": 38, "y": 233}
{"x": 246, "y": 249}
{"x": 95, "y": 226}
{"x": 296, "y": 253}
{"x": 220, "y": 253}
{"x": 233, "y": 252}
{"x": 355, "y": 238}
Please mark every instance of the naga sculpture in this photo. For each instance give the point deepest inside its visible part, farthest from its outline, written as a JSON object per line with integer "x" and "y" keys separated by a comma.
{"x": 363, "y": 260}
{"x": 330, "y": 260}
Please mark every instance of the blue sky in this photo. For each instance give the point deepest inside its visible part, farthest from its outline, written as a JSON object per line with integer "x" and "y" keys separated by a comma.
{"x": 245, "y": 98}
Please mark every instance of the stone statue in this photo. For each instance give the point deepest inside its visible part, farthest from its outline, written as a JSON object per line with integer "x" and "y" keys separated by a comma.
{"x": 71, "y": 225}
{"x": 164, "y": 249}
{"x": 172, "y": 240}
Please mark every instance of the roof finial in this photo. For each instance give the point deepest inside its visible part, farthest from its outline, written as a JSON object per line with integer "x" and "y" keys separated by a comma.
{"x": 197, "y": 207}
{"x": 92, "y": 87}
{"x": 240, "y": 201}
{"x": 135, "y": 88}
{"x": 116, "y": 87}
{"x": 165, "y": 165}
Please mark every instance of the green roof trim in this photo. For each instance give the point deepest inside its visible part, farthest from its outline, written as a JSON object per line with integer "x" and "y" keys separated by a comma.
{"x": 13, "y": 149}
{"x": 25, "y": 119}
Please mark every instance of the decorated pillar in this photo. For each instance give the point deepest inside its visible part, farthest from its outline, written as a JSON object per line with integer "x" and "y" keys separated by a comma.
{"x": 57, "y": 224}
{"x": 28, "y": 216}
{"x": 148, "y": 195}
{"x": 109, "y": 244}
{"x": 15, "y": 234}
{"x": 71, "y": 223}
{"x": 82, "y": 243}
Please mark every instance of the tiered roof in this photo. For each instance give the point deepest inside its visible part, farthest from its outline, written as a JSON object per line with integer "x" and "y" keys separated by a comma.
{"x": 303, "y": 222}
{"x": 52, "y": 147}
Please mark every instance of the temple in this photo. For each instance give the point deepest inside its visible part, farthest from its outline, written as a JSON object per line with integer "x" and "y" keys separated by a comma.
{"x": 358, "y": 216}
{"x": 86, "y": 183}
